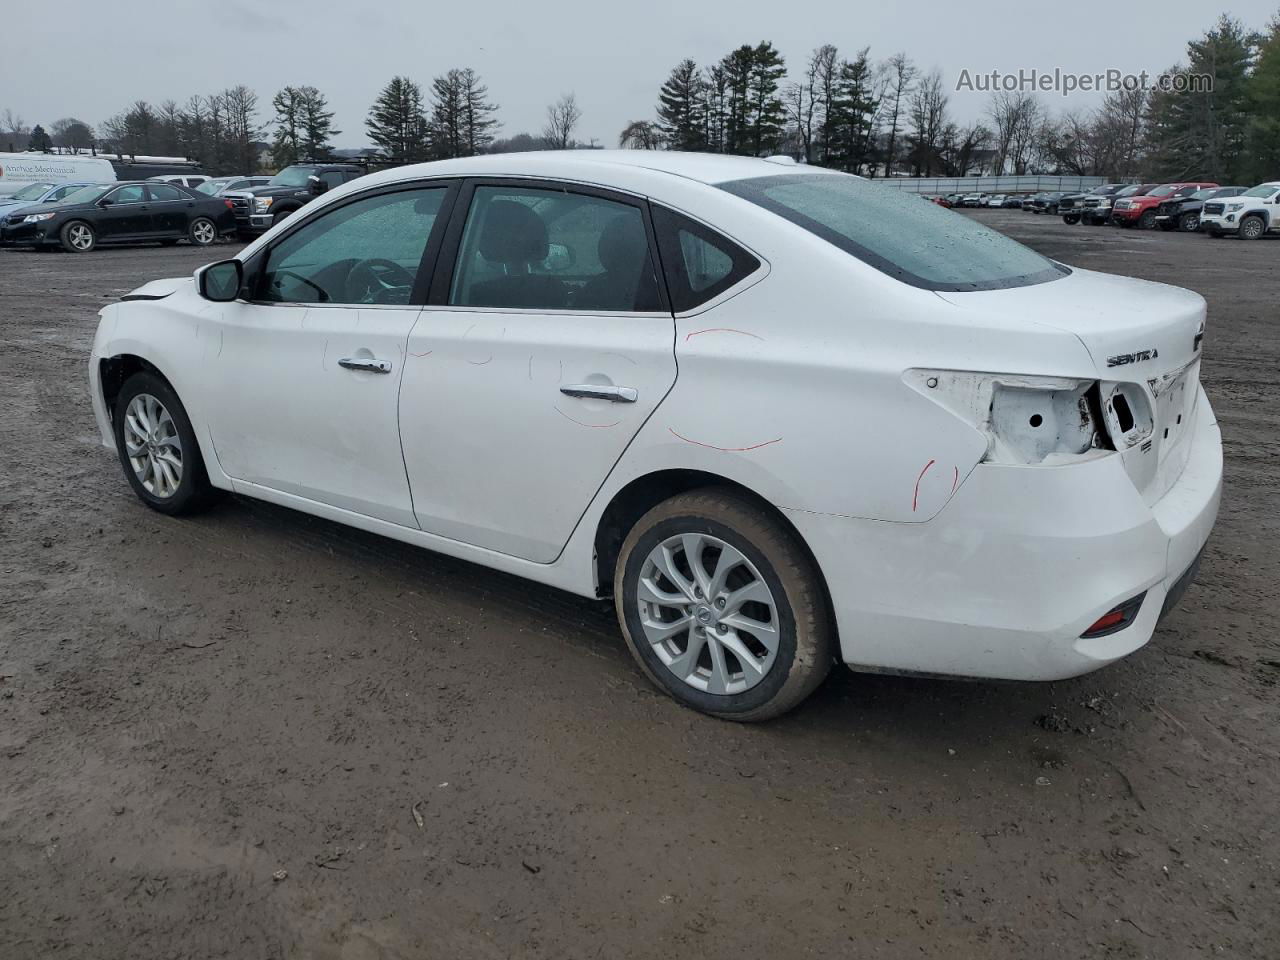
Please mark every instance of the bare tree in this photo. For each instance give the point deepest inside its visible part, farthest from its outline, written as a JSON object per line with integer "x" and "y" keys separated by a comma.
{"x": 562, "y": 119}
{"x": 72, "y": 134}
{"x": 928, "y": 109}
{"x": 10, "y": 122}
{"x": 1017, "y": 118}
{"x": 640, "y": 135}
{"x": 899, "y": 74}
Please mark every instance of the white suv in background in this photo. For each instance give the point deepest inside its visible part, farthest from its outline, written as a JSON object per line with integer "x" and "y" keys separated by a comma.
{"x": 1249, "y": 215}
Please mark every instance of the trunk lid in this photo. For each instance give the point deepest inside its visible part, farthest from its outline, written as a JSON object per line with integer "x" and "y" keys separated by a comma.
{"x": 1144, "y": 339}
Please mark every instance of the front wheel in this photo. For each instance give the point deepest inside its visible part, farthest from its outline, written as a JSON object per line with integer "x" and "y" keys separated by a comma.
{"x": 202, "y": 232}
{"x": 1070, "y": 219}
{"x": 721, "y": 606}
{"x": 1147, "y": 221}
{"x": 78, "y": 237}
{"x": 1251, "y": 228}
{"x": 158, "y": 448}
{"x": 1189, "y": 222}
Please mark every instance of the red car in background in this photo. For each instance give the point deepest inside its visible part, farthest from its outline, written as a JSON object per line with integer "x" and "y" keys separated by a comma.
{"x": 1140, "y": 210}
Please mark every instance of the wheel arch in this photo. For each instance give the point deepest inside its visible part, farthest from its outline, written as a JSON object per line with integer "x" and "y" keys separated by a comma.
{"x": 113, "y": 371}
{"x": 645, "y": 492}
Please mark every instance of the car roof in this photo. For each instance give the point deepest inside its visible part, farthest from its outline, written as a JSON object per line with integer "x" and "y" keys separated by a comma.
{"x": 709, "y": 168}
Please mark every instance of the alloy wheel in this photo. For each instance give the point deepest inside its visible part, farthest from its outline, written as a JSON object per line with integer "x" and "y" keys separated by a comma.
{"x": 81, "y": 236}
{"x": 203, "y": 232}
{"x": 152, "y": 445}
{"x": 708, "y": 614}
{"x": 1251, "y": 228}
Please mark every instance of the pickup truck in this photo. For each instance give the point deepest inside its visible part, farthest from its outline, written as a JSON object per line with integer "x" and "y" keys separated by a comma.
{"x": 1183, "y": 213}
{"x": 1073, "y": 204}
{"x": 1248, "y": 216}
{"x": 259, "y": 209}
{"x": 1140, "y": 210}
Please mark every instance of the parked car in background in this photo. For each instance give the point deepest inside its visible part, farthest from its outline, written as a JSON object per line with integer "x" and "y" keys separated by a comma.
{"x": 120, "y": 213}
{"x": 1013, "y": 202}
{"x": 1047, "y": 202}
{"x": 995, "y": 200}
{"x": 1029, "y": 201}
{"x": 260, "y": 208}
{"x": 973, "y": 200}
{"x": 1097, "y": 210}
{"x": 1072, "y": 206}
{"x": 497, "y": 333}
{"x": 1249, "y": 215}
{"x": 1183, "y": 212}
{"x": 1139, "y": 209}
{"x": 218, "y": 186}
{"x": 19, "y": 170}
{"x": 38, "y": 193}
{"x": 191, "y": 180}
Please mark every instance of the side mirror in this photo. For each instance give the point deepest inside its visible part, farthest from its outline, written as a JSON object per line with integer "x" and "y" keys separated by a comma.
{"x": 221, "y": 282}
{"x": 316, "y": 185}
{"x": 105, "y": 202}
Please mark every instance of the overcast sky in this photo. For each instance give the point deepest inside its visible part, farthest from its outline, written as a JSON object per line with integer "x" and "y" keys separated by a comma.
{"x": 90, "y": 60}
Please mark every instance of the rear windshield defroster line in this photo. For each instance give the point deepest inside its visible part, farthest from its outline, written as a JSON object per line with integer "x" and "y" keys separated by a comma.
{"x": 898, "y": 233}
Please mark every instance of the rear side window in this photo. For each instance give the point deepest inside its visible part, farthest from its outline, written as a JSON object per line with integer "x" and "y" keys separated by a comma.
{"x": 700, "y": 264}
{"x": 920, "y": 244}
{"x": 164, "y": 192}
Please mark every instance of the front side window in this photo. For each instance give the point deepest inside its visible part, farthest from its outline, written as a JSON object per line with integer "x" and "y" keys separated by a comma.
{"x": 292, "y": 177}
{"x": 547, "y": 249}
{"x": 130, "y": 194}
{"x": 332, "y": 178}
{"x": 165, "y": 192}
{"x": 918, "y": 243}
{"x": 365, "y": 252}
{"x": 1262, "y": 190}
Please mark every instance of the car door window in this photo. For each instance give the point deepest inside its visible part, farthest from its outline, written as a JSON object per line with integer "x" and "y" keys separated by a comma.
{"x": 162, "y": 191}
{"x": 133, "y": 193}
{"x": 365, "y": 252}
{"x": 63, "y": 191}
{"x": 547, "y": 249}
{"x": 700, "y": 264}
{"x": 333, "y": 178}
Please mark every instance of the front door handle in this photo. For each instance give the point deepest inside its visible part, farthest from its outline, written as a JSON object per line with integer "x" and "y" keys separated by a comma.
{"x": 367, "y": 364}
{"x": 599, "y": 391}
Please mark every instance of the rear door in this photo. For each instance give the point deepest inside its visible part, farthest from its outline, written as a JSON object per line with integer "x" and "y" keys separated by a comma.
{"x": 546, "y": 344}
{"x": 170, "y": 211}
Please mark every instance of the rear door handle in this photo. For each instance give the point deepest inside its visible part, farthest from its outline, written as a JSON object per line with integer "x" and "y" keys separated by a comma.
{"x": 599, "y": 391}
{"x": 368, "y": 365}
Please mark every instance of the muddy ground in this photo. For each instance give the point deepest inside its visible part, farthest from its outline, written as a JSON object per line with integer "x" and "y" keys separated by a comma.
{"x": 188, "y": 707}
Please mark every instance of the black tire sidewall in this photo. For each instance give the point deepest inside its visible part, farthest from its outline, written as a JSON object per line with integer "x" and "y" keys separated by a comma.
{"x": 1185, "y": 219}
{"x": 64, "y": 237}
{"x": 1262, "y": 228}
{"x": 191, "y": 232}
{"x": 193, "y": 485}
{"x": 724, "y": 705}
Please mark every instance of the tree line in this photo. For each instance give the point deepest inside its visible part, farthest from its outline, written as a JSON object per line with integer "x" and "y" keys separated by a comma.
{"x": 889, "y": 117}
{"x": 224, "y": 131}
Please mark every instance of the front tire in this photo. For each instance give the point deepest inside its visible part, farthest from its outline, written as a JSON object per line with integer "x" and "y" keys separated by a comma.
{"x": 78, "y": 237}
{"x": 1147, "y": 221}
{"x": 1251, "y": 228}
{"x": 721, "y": 606}
{"x": 157, "y": 447}
{"x": 202, "y": 232}
{"x": 1070, "y": 219}
{"x": 1189, "y": 222}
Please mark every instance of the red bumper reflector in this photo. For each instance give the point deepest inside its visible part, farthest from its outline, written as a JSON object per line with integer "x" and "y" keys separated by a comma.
{"x": 1117, "y": 618}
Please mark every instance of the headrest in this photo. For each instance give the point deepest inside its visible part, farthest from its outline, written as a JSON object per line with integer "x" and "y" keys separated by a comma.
{"x": 622, "y": 244}
{"x": 513, "y": 234}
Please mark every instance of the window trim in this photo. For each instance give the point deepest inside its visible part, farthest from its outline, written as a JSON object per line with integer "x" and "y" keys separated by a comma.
{"x": 152, "y": 198}
{"x": 254, "y": 266}
{"x": 110, "y": 195}
{"x": 725, "y": 292}
{"x": 447, "y": 264}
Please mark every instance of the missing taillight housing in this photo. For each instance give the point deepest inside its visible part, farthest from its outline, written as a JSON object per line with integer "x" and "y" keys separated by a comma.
{"x": 1124, "y": 416}
{"x": 1127, "y": 414}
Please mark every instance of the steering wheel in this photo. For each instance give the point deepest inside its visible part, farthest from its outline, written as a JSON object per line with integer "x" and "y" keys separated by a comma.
{"x": 378, "y": 281}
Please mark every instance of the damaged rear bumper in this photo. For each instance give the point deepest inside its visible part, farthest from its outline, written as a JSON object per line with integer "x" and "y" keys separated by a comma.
{"x": 1020, "y": 563}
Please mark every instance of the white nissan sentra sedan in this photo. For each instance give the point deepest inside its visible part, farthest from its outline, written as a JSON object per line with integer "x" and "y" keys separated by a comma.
{"x": 782, "y": 416}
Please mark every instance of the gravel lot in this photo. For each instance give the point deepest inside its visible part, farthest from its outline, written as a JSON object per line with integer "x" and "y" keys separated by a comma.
{"x": 443, "y": 761}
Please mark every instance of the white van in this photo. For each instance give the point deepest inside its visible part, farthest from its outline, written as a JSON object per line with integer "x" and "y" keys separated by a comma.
{"x": 17, "y": 170}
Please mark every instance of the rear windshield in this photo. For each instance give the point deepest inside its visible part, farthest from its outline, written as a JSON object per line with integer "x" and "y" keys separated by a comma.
{"x": 922, "y": 244}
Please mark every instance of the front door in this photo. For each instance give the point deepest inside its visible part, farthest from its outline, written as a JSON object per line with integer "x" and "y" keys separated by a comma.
{"x": 126, "y": 214}
{"x": 548, "y": 345}
{"x": 304, "y": 380}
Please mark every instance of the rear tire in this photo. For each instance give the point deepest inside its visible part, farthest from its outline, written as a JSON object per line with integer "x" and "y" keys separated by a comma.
{"x": 775, "y": 642}
{"x": 1070, "y": 219}
{"x": 78, "y": 237}
{"x": 202, "y": 232}
{"x": 157, "y": 447}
